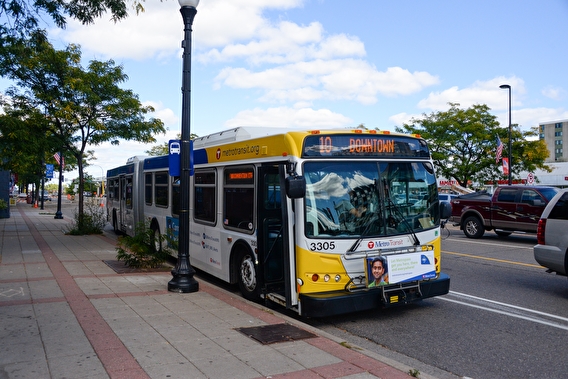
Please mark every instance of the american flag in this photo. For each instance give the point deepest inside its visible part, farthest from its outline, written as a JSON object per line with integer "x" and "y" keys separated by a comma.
{"x": 499, "y": 150}
{"x": 61, "y": 161}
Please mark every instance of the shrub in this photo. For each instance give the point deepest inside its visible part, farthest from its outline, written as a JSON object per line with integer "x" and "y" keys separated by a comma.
{"x": 93, "y": 221}
{"x": 139, "y": 251}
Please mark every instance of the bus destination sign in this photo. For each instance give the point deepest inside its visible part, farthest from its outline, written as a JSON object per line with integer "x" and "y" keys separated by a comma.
{"x": 340, "y": 145}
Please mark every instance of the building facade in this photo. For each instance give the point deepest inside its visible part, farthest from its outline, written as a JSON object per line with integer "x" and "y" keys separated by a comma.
{"x": 553, "y": 135}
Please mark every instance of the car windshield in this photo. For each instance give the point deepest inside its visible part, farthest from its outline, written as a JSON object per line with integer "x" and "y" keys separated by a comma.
{"x": 369, "y": 198}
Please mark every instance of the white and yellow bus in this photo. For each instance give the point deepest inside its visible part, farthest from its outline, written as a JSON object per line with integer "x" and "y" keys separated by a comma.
{"x": 300, "y": 217}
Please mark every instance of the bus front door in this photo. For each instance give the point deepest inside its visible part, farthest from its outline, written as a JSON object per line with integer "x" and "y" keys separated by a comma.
{"x": 273, "y": 252}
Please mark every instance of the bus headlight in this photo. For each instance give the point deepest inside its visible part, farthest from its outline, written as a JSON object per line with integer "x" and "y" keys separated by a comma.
{"x": 337, "y": 278}
{"x": 326, "y": 278}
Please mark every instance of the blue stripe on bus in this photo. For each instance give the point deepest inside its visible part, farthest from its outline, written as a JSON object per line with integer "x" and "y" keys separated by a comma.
{"x": 127, "y": 169}
{"x": 156, "y": 162}
{"x": 200, "y": 156}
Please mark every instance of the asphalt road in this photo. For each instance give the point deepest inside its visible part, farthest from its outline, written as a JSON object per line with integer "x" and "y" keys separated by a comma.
{"x": 505, "y": 317}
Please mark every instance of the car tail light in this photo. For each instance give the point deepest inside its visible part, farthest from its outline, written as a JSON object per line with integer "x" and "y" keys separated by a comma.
{"x": 540, "y": 231}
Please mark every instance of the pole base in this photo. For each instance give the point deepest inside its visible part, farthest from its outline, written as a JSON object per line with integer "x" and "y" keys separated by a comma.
{"x": 183, "y": 283}
{"x": 58, "y": 215}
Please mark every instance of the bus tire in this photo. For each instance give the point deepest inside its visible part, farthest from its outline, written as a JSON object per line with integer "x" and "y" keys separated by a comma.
{"x": 473, "y": 228}
{"x": 247, "y": 278}
{"x": 155, "y": 238}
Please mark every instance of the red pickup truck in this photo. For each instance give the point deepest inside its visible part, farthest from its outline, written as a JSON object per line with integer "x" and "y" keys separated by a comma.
{"x": 509, "y": 209}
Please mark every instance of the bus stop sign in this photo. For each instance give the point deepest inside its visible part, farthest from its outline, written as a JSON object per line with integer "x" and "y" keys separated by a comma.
{"x": 174, "y": 153}
{"x": 174, "y": 157}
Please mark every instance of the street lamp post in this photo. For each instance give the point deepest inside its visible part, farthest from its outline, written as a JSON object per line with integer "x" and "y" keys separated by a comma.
{"x": 183, "y": 280}
{"x": 506, "y": 86}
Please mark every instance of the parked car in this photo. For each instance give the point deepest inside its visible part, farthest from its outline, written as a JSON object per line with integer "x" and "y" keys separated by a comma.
{"x": 552, "y": 248}
{"x": 46, "y": 196}
{"x": 509, "y": 209}
{"x": 446, "y": 197}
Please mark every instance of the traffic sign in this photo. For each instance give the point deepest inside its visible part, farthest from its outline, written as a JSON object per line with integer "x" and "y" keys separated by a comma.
{"x": 530, "y": 178}
{"x": 49, "y": 171}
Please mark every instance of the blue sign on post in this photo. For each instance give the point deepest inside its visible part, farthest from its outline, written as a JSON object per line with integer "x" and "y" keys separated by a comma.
{"x": 49, "y": 171}
{"x": 174, "y": 157}
{"x": 174, "y": 152}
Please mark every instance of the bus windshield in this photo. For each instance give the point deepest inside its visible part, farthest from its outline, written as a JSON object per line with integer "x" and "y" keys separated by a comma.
{"x": 367, "y": 199}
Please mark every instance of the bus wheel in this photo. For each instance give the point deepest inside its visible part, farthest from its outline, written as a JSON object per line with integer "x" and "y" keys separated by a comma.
{"x": 247, "y": 277}
{"x": 156, "y": 239}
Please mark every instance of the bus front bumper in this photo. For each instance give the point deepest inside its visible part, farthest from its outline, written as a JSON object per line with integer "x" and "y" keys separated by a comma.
{"x": 339, "y": 302}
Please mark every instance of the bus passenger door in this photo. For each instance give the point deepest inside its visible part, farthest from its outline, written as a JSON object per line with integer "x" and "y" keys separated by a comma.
{"x": 273, "y": 251}
{"x": 125, "y": 214}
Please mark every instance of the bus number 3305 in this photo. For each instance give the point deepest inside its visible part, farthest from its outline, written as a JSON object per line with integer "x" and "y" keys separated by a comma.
{"x": 322, "y": 246}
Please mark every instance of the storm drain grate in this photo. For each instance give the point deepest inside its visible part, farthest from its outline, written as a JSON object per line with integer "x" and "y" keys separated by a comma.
{"x": 274, "y": 333}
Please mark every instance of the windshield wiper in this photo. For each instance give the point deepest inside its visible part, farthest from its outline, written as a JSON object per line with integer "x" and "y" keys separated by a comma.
{"x": 403, "y": 220}
{"x": 370, "y": 221}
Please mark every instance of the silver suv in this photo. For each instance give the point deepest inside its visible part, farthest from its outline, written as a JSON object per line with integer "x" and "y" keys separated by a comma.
{"x": 552, "y": 249}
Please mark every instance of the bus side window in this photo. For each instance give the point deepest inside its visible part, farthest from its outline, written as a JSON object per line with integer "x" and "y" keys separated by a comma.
{"x": 238, "y": 198}
{"x": 148, "y": 188}
{"x": 161, "y": 189}
{"x": 204, "y": 203}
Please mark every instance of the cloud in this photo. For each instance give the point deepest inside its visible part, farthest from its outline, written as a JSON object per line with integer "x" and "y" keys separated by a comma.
{"x": 167, "y": 115}
{"x": 222, "y": 22}
{"x": 345, "y": 79}
{"x": 531, "y": 117}
{"x": 150, "y": 34}
{"x": 158, "y": 31}
{"x": 290, "y": 117}
{"x": 554, "y": 93}
{"x": 480, "y": 92}
{"x": 403, "y": 118}
{"x": 287, "y": 42}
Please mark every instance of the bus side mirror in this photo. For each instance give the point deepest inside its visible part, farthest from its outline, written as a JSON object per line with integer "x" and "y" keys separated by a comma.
{"x": 295, "y": 187}
{"x": 445, "y": 210}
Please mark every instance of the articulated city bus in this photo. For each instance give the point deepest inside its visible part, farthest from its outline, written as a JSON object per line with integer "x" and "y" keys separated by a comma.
{"x": 321, "y": 222}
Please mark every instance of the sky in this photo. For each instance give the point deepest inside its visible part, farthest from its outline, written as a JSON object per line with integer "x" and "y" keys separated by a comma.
{"x": 313, "y": 64}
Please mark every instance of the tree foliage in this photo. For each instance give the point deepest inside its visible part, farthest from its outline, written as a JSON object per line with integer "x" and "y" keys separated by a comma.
{"x": 79, "y": 106}
{"x": 463, "y": 143}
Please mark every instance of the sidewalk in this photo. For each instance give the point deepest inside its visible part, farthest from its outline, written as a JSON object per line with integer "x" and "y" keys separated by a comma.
{"x": 65, "y": 313}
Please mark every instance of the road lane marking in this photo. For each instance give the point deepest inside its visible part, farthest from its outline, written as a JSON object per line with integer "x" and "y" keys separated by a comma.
{"x": 493, "y": 259}
{"x": 509, "y": 306}
{"x": 547, "y": 323}
{"x": 519, "y": 245}
{"x": 510, "y": 314}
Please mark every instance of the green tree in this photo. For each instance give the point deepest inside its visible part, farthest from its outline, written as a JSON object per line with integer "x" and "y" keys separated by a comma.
{"x": 81, "y": 106}
{"x": 463, "y": 143}
{"x": 25, "y": 142}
